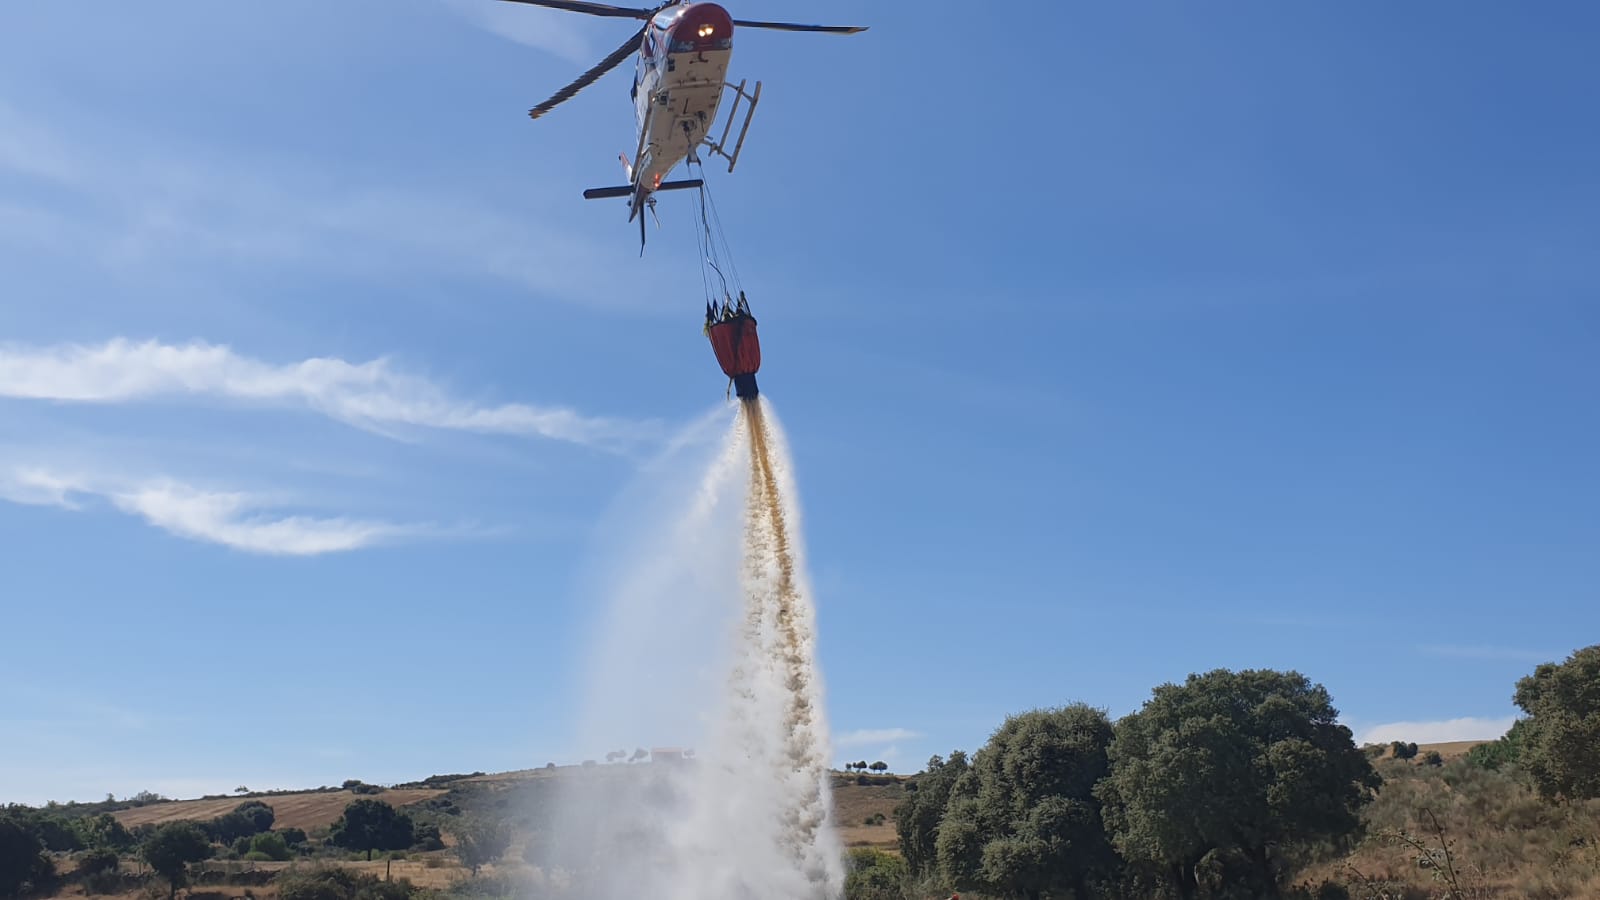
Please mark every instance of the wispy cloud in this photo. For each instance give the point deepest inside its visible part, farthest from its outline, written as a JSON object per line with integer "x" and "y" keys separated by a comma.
{"x": 1513, "y": 654}
{"x": 864, "y": 736}
{"x": 1464, "y": 729}
{"x": 149, "y": 204}
{"x": 235, "y": 519}
{"x": 369, "y": 394}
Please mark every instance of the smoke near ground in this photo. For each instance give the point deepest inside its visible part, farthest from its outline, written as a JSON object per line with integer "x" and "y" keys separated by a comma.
{"x": 749, "y": 816}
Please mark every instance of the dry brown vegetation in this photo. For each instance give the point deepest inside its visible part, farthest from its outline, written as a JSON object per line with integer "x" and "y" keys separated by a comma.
{"x": 1459, "y": 831}
{"x": 854, "y": 804}
{"x": 309, "y": 810}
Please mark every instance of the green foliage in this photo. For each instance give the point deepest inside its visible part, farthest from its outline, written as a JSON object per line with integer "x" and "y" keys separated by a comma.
{"x": 171, "y": 848}
{"x": 427, "y": 837}
{"x": 1432, "y": 758}
{"x": 22, "y": 859}
{"x": 917, "y": 817}
{"x": 357, "y": 786}
{"x": 1024, "y": 821}
{"x": 102, "y": 859}
{"x": 369, "y": 825}
{"x": 1403, "y": 750}
{"x": 1561, "y": 746}
{"x": 294, "y": 837}
{"x": 272, "y": 844}
{"x": 480, "y": 840}
{"x": 1506, "y": 750}
{"x": 875, "y": 875}
{"x": 105, "y": 831}
{"x": 244, "y": 821}
{"x": 1227, "y": 771}
{"x": 336, "y": 883}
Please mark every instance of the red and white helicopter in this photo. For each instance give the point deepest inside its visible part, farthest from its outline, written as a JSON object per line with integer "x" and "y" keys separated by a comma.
{"x": 683, "y": 51}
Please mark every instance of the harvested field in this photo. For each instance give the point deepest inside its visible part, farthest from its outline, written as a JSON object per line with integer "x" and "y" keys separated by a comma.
{"x": 307, "y": 811}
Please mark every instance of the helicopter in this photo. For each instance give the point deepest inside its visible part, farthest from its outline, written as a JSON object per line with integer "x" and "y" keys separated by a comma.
{"x": 680, "y": 75}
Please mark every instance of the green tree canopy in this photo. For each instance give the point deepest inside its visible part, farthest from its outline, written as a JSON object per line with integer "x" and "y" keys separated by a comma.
{"x": 22, "y": 859}
{"x": 1023, "y": 821}
{"x": 1507, "y": 750}
{"x": 1227, "y": 767}
{"x": 874, "y": 875}
{"x": 170, "y": 849}
{"x": 1561, "y": 740}
{"x": 480, "y": 840}
{"x": 372, "y": 825}
{"x": 105, "y": 831}
{"x": 916, "y": 819}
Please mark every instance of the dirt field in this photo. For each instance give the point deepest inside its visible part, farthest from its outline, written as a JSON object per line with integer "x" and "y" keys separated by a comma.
{"x": 854, "y": 803}
{"x": 305, "y": 811}
{"x": 1450, "y": 749}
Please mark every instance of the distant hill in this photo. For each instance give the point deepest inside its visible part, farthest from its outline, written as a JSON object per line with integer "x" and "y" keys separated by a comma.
{"x": 863, "y": 804}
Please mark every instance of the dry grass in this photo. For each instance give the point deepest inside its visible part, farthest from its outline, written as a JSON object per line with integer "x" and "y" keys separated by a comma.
{"x": 307, "y": 811}
{"x": 1450, "y": 749}
{"x": 854, "y": 804}
{"x": 1503, "y": 841}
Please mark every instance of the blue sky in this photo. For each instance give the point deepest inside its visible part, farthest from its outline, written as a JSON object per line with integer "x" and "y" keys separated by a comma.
{"x": 1114, "y": 342}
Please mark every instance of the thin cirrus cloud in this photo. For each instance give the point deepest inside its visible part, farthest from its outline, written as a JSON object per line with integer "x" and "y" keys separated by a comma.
{"x": 865, "y": 736}
{"x": 240, "y": 520}
{"x": 372, "y": 394}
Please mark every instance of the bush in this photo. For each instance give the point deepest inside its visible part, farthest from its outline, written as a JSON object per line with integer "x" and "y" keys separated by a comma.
{"x": 294, "y": 837}
{"x": 875, "y": 875}
{"x": 270, "y": 845}
{"x": 97, "y": 861}
{"x": 1433, "y": 758}
{"x": 335, "y": 883}
{"x": 1402, "y": 750}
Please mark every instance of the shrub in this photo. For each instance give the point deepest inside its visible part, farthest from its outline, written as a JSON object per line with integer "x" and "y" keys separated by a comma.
{"x": 271, "y": 845}
{"x": 1402, "y": 750}
{"x": 97, "y": 861}
{"x": 875, "y": 875}
{"x": 335, "y": 883}
{"x": 1433, "y": 758}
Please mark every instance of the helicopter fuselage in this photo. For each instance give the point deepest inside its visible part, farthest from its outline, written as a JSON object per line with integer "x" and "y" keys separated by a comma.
{"x": 677, "y": 87}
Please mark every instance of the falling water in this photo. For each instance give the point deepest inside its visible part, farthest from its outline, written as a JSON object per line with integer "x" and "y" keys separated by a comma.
{"x": 750, "y": 818}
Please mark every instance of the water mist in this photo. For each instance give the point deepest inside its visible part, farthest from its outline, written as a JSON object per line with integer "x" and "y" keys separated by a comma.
{"x": 709, "y": 642}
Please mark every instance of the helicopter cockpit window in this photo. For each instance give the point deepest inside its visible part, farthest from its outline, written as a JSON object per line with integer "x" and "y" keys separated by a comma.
{"x": 666, "y": 17}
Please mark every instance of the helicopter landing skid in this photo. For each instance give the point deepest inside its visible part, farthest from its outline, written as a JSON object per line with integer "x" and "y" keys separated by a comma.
{"x": 718, "y": 147}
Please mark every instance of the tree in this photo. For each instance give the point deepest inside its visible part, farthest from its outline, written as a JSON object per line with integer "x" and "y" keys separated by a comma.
{"x": 372, "y": 825}
{"x": 880, "y": 766}
{"x": 916, "y": 818}
{"x": 1561, "y": 744}
{"x": 874, "y": 875}
{"x": 270, "y": 844}
{"x": 480, "y": 841}
{"x": 1023, "y": 821}
{"x": 22, "y": 859}
{"x": 640, "y": 753}
{"x": 171, "y": 848}
{"x": 1504, "y": 751}
{"x": 1219, "y": 773}
{"x": 105, "y": 831}
{"x": 1403, "y": 750}
{"x": 241, "y": 789}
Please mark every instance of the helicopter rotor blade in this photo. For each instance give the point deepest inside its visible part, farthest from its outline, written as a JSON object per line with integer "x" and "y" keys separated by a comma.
{"x": 630, "y": 47}
{"x": 790, "y": 26}
{"x": 593, "y": 9}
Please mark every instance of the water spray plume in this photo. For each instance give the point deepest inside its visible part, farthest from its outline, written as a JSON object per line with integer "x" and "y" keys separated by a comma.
{"x": 750, "y": 816}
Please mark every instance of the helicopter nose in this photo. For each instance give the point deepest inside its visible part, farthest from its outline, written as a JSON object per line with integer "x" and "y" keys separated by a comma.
{"x": 705, "y": 25}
